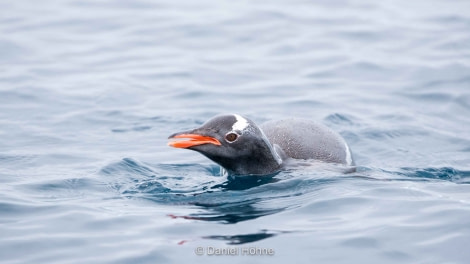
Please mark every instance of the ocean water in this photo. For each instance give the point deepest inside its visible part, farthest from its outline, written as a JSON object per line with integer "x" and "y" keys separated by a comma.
{"x": 90, "y": 91}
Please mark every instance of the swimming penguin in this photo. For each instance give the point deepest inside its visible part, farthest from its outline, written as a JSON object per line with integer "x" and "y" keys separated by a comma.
{"x": 242, "y": 148}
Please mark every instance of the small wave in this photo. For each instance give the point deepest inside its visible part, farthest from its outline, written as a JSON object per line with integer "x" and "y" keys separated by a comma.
{"x": 222, "y": 199}
{"x": 444, "y": 173}
{"x": 228, "y": 200}
{"x": 340, "y": 119}
{"x": 415, "y": 174}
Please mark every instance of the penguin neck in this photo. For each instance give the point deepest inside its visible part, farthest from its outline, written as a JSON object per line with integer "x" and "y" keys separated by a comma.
{"x": 268, "y": 160}
{"x": 259, "y": 165}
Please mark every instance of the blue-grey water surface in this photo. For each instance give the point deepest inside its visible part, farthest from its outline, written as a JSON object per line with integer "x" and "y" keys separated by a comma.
{"x": 90, "y": 91}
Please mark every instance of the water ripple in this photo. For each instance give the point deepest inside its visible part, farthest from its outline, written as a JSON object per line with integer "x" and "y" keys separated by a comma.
{"x": 90, "y": 90}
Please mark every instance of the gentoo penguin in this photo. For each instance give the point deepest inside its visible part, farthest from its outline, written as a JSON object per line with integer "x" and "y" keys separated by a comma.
{"x": 242, "y": 148}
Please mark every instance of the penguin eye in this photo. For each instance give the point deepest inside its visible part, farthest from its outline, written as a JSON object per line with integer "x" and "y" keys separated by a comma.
{"x": 230, "y": 137}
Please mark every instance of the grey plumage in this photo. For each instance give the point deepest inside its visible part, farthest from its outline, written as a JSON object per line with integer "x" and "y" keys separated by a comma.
{"x": 305, "y": 139}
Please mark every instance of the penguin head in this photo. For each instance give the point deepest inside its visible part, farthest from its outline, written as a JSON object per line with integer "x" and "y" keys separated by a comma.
{"x": 234, "y": 142}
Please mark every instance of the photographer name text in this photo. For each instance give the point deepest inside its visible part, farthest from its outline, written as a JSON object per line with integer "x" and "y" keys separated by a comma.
{"x": 234, "y": 251}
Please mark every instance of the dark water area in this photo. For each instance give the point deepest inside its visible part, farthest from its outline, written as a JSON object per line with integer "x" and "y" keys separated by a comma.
{"x": 90, "y": 91}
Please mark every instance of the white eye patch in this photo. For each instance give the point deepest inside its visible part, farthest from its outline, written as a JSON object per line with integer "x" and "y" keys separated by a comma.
{"x": 241, "y": 123}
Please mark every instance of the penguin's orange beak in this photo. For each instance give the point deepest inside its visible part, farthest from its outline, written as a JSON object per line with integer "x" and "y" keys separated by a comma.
{"x": 191, "y": 140}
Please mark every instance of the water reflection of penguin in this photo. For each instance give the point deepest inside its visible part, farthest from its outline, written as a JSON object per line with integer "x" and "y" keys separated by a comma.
{"x": 242, "y": 148}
